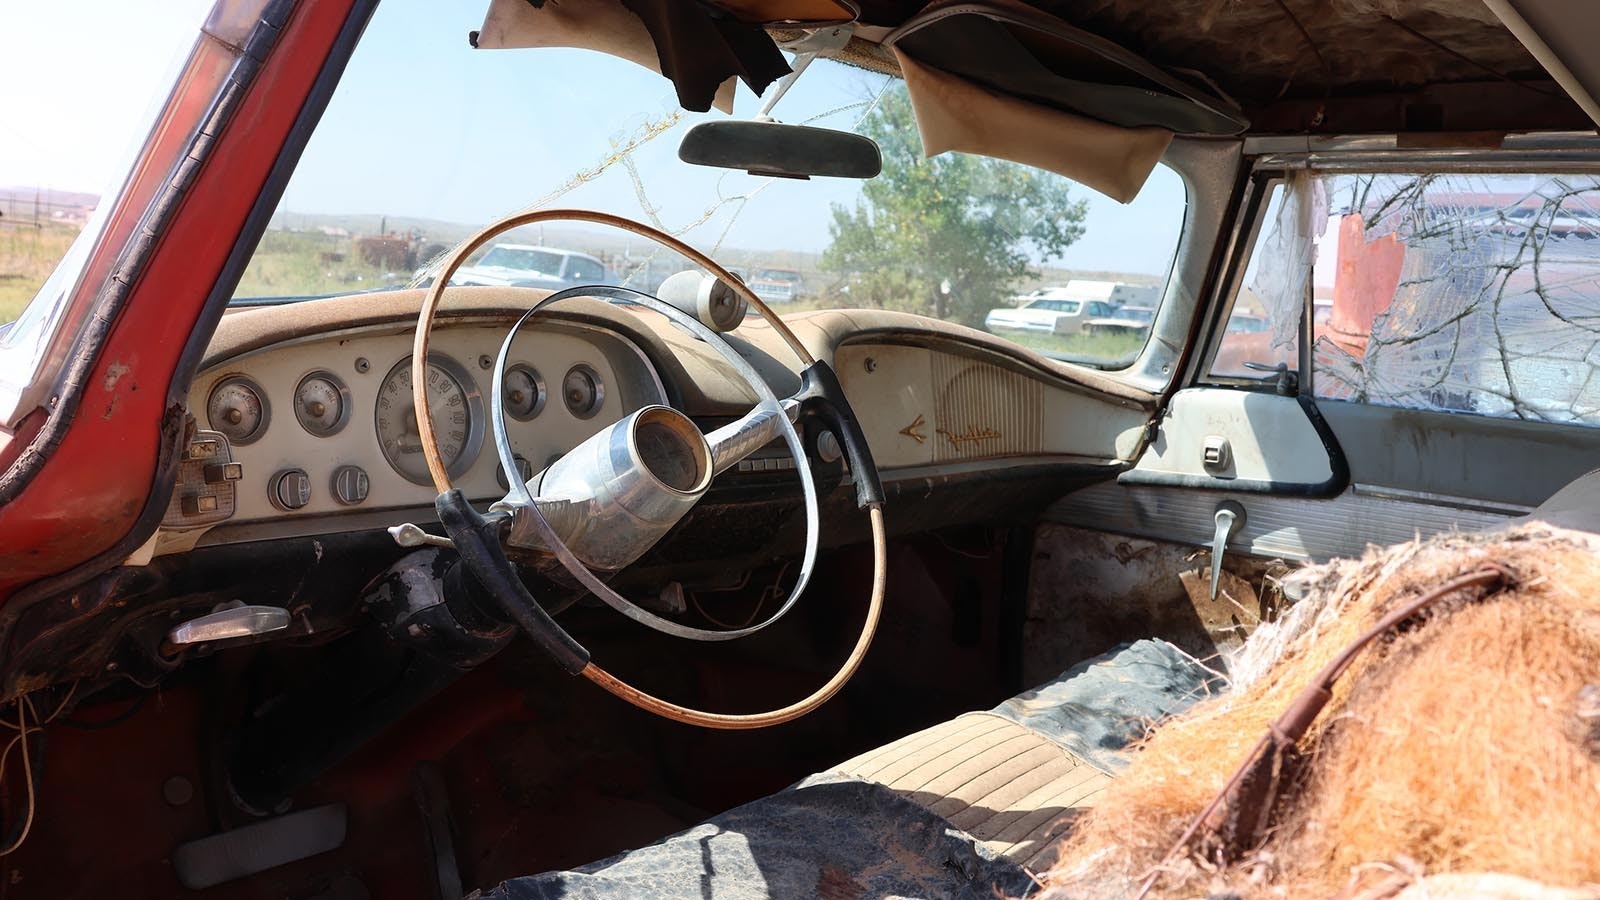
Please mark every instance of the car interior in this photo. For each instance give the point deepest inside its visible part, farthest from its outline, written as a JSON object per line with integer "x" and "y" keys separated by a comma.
{"x": 680, "y": 587}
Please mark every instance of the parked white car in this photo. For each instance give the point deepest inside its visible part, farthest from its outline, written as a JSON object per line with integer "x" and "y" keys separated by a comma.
{"x": 1049, "y": 313}
{"x": 526, "y": 265}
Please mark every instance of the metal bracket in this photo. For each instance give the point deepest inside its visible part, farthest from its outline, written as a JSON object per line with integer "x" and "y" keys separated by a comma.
{"x": 806, "y": 49}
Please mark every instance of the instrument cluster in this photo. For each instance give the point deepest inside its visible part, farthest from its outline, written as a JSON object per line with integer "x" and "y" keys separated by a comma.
{"x": 353, "y": 439}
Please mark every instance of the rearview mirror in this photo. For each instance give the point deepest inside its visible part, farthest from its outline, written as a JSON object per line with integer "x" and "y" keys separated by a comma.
{"x": 786, "y": 151}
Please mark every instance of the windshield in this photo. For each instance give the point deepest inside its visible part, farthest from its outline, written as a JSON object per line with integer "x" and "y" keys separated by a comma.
{"x": 1063, "y": 306}
{"x": 538, "y": 261}
{"x": 383, "y": 191}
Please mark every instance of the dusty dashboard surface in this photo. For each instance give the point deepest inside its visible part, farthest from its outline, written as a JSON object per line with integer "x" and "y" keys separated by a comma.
{"x": 936, "y": 407}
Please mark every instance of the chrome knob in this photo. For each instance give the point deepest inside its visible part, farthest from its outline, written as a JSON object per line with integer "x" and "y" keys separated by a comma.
{"x": 350, "y": 485}
{"x": 408, "y": 535}
{"x": 289, "y": 489}
{"x": 828, "y": 449}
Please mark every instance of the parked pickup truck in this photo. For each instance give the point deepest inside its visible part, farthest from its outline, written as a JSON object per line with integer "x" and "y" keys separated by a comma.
{"x": 778, "y": 285}
{"x": 1123, "y": 320}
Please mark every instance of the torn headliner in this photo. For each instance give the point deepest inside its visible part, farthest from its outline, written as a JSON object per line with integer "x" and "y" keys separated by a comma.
{"x": 1254, "y": 49}
{"x": 1328, "y": 66}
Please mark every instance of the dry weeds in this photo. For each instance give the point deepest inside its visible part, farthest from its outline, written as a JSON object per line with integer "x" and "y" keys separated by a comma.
{"x": 1460, "y": 745}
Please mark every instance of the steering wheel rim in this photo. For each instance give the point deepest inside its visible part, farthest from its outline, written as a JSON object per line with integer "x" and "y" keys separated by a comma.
{"x": 528, "y": 614}
{"x": 765, "y": 399}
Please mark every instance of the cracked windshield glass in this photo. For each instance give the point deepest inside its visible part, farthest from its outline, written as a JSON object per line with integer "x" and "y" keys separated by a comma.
{"x": 393, "y": 177}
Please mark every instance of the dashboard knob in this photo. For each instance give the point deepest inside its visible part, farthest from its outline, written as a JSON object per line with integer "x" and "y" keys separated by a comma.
{"x": 524, "y": 472}
{"x": 289, "y": 489}
{"x": 350, "y": 485}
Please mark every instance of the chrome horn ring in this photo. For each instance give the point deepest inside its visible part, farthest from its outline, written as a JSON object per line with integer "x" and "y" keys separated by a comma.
{"x": 521, "y": 503}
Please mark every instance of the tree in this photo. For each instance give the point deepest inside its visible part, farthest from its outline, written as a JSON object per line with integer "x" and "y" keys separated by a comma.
{"x": 949, "y": 236}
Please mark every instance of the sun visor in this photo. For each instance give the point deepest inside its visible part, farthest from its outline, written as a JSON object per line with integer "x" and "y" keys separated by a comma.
{"x": 1018, "y": 51}
{"x": 955, "y": 114}
{"x": 603, "y": 25}
{"x": 792, "y": 13}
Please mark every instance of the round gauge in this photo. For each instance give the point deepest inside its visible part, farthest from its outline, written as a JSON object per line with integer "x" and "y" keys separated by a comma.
{"x": 238, "y": 409}
{"x": 321, "y": 403}
{"x": 523, "y": 391}
{"x": 583, "y": 391}
{"x": 457, "y": 419}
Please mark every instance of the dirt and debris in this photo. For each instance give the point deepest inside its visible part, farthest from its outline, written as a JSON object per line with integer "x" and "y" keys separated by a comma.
{"x": 1448, "y": 748}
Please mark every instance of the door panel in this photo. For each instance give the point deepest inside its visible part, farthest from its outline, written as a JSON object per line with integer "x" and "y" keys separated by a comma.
{"x": 1293, "y": 528}
{"x": 1460, "y": 456}
{"x": 1227, "y": 439}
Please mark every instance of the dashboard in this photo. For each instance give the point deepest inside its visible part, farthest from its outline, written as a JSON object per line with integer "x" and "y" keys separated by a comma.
{"x": 326, "y": 425}
{"x": 305, "y": 424}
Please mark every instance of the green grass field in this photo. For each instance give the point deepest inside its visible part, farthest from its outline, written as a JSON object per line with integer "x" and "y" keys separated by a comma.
{"x": 27, "y": 257}
{"x": 308, "y": 263}
{"x": 1104, "y": 349}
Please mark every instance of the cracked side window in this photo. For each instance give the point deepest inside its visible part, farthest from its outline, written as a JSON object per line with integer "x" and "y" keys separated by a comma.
{"x": 1463, "y": 293}
{"x": 1262, "y": 330}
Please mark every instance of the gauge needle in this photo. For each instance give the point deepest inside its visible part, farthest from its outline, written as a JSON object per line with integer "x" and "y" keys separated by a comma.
{"x": 410, "y": 440}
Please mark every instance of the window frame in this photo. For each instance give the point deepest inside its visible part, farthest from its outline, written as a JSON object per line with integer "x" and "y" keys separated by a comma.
{"x": 1543, "y": 155}
{"x": 1253, "y": 218}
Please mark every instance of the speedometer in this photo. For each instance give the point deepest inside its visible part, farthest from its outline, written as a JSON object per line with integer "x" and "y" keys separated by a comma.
{"x": 457, "y": 411}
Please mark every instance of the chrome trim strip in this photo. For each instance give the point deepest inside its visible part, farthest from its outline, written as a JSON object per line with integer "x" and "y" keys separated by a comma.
{"x": 1284, "y": 144}
{"x": 1288, "y": 527}
{"x": 1485, "y": 506}
{"x": 1553, "y": 160}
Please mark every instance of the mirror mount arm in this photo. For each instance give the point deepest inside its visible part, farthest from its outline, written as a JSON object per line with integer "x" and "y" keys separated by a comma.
{"x": 806, "y": 49}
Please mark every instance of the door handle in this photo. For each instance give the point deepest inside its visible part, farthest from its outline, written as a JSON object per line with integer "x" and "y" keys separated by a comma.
{"x": 1228, "y": 519}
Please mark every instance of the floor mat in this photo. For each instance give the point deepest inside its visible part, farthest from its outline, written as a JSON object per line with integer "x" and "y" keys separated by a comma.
{"x": 1097, "y": 708}
{"x": 830, "y": 836}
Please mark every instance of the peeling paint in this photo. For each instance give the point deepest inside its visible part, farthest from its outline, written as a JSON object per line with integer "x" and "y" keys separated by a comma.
{"x": 114, "y": 373}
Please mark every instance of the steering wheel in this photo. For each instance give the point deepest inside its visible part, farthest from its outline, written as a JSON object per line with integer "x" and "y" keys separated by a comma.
{"x": 607, "y": 486}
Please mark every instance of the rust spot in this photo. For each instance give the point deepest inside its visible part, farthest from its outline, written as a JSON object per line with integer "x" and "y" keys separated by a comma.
{"x": 836, "y": 884}
{"x": 1125, "y": 552}
{"x": 114, "y": 373}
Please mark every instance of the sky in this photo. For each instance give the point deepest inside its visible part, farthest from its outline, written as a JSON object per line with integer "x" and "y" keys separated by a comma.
{"x": 73, "y": 110}
{"x": 423, "y": 125}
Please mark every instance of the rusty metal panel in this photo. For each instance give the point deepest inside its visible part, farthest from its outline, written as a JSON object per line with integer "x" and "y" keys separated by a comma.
{"x": 1089, "y": 591}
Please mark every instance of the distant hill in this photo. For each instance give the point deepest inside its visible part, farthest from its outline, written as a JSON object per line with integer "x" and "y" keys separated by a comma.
{"x": 23, "y": 202}
{"x": 607, "y": 243}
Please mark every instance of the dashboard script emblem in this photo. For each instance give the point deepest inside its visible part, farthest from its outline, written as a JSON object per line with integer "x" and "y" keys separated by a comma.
{"x": 974, "y": 434}
{"x": 913, "y": 430}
